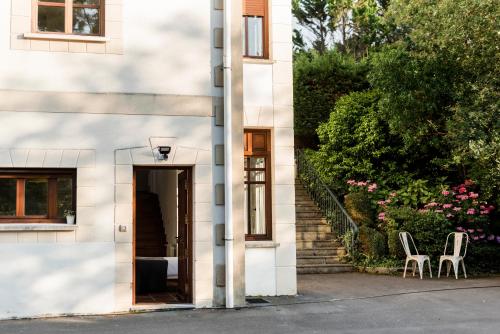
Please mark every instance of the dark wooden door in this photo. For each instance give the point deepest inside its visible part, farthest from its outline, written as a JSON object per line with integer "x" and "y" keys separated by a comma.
{"x": 183, "y": 237}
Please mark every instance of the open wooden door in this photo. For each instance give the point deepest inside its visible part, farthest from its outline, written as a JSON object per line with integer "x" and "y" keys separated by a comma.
{"x": 184, "y": 237}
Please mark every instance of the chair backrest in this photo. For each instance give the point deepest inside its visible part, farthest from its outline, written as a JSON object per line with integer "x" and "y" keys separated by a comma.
{"x": 403, "y": 236}
{"x": 458, "y": 238}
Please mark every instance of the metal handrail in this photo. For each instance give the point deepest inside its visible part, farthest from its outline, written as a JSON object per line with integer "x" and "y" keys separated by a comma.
{"x": 335, "y": 214}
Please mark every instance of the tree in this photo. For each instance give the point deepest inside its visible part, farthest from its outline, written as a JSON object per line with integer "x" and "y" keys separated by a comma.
{"x": 314, "y": 16}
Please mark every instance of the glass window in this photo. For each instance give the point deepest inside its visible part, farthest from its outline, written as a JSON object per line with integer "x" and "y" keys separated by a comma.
{"x": 36, "y": 196}
{"x": 253, "y": 36}
{"x": 8, "y": 189}
{"x": 257, "y": 189}
{"x": 64, "y": 196}
{"x": 83, "y": 16}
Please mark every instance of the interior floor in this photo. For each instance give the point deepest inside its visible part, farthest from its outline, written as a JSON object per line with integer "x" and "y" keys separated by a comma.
{"x": 168, "y": 297}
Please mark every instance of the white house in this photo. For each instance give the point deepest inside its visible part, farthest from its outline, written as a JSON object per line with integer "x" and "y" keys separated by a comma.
{"x": 174, "y": 153}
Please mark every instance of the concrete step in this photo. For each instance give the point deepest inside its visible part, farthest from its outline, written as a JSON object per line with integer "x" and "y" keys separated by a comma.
{"x": 312, "y": 236}
{"x": 332, "y": 251}
{"x": 308, "y": 214}
{"x": 304, "y": 209}
{"x": 311, "y": 221}
{"x": 315, "y": 244}
{"x": 310, "y": 260}
{"x": 313, "y": 228}
{"x": 324, "y": 269}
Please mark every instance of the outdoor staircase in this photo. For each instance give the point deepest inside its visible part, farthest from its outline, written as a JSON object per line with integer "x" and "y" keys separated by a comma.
{"x": 318, "y": 252}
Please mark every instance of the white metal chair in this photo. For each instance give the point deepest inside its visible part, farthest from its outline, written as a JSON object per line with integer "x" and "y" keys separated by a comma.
{"x": 417, "y": 258}
{"x": 456, "y": 258}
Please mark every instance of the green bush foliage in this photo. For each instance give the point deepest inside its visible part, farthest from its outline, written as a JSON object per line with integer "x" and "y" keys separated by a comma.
{"x": 319, "y": 81}
{"x": 371, "y": 242}
{"x": 358, "y": 206}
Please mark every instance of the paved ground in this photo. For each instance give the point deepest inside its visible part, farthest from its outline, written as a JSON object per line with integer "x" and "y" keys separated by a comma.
{"x": 342, "y": 303}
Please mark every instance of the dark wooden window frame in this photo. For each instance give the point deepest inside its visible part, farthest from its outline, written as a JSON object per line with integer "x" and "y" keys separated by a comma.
{"x": 265, "y": 31}
{"x": 68, "y": 6}
{"x": 21, "y": 175}
{"x": 249, "y": 152}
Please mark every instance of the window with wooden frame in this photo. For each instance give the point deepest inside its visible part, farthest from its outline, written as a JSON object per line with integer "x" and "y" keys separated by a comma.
{"x": 255, "y": 29}
{"x": 75, "y": 17}
{"x": 258, "y": 217}
{"x": 36, "y": 195}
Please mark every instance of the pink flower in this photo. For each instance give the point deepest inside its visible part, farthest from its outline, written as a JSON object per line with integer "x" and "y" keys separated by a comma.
{"x": 471, "y": 211}
{"x": 447, "y": 206}
{"x": 460, "y": 229}
{"x": 449, "y": 215}
{"x": 475, "y": 238}
{"x": 457, "y": 209}
{"x": 393, "y": 194}
{"x": 433, "y": 204}
{"x": 491, "y": 237}
{"x": 482, "y": 236}
{"x": 484, "y": 212}
{"x": 351, "y": 182}
{"x": 469, "y": 182}
{"x": 471, "y": 230}
{"x": 473, "y": 195}
{"x": 479, "y": 230}
{"x": 423, "y": 210}
{"x": 445, "y": 192}
{"x": 362, "y": 184}
{"x": 438, "y": 211}
{"x": 381, "y": 216}
{"x": 498, "y": 239}
{"x": 462, "y": 190}
{"x": 372, "y": 187}
{"x": 381, "y": 202}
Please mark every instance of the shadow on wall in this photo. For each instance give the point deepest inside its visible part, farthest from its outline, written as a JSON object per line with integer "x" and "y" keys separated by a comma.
{"x": 44, "y": 280}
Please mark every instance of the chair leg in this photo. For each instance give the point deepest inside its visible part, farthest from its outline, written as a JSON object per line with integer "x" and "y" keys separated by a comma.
{"x": 440, "y": 264}
{"x": 455, "y": 268}
{"x": 463, "y": 268}
{"x": 414, "y": 267}
{"x": 448, "y": 267}
{"x": 406, "y": 267}
{"x": 430, "y": 270}
{"x": 421, "y": 269}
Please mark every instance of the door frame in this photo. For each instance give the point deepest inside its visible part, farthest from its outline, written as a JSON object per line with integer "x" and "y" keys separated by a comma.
{"x": 190, "y": 234}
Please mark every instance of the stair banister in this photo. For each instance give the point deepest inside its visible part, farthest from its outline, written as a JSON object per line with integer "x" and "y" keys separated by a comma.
{"x": 342, "y": 224}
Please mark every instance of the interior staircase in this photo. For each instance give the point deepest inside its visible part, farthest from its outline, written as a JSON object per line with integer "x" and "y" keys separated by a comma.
{"x": 150, "y": 233}
{"x": 317, "y": 250}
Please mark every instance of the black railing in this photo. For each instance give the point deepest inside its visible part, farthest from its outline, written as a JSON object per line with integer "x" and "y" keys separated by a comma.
{"x": 342, "y": 224}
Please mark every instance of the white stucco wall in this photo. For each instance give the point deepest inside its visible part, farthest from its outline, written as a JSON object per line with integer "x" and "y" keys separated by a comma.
{"x": 167, "y": 50}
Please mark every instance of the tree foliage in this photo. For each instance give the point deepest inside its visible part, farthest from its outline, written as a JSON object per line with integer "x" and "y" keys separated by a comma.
{"x": 319, "y": 81}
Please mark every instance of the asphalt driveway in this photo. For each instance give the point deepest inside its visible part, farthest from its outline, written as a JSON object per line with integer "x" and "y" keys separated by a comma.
{"x": 342, "y": 303}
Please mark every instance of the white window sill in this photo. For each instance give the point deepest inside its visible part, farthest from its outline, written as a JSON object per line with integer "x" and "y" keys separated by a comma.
{"x": 247, "y": 60}
{"x": 64, "y": 37}
{"x": 261, "y": 244}
{"x": 36, "y": 227}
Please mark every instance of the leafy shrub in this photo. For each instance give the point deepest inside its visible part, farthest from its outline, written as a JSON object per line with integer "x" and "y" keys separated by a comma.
{"x": 371, "y": 242}
{"x": 358, "y": 206}
{"x": 483, "y": 258}
{"x": 319, "y": 81}
{"x": 428, "y": 229}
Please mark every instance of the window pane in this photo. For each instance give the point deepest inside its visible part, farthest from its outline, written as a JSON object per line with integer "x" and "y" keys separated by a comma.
{"x": 51, "y": 19}
{"x": 36, "y": 197}
{"x": 64, "y": 196}
{"x": 8, "y": 190}
{"x": 257, "y": 207}
{"x": 258, "y": 176}
{"x": 257, "y": 162}
{"x": 86, "y": 21}
{"x": 255, "y": 37}
{"x": 86, "y": 2}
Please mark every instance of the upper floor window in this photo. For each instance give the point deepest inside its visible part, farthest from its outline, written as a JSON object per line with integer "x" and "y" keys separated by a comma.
{"x": 80, "y": 17}
{"x": 255, "y": 29}
{"x": 36, "y": 196}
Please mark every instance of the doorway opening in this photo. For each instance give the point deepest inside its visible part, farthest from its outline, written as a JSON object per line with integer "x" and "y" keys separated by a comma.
{"x": 163, "y": 266}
